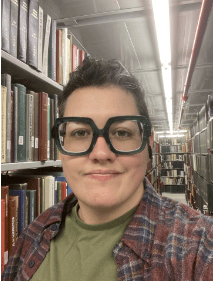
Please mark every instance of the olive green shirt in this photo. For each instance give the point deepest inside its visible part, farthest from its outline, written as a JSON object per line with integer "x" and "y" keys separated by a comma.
{"x": 83, "y": 252}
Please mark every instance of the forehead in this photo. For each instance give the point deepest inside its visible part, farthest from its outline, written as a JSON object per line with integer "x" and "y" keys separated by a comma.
{"x": 100, "y": 102}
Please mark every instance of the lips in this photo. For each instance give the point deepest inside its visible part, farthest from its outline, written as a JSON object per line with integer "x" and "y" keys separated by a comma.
{"x": 102, "y": 172}
{"x": 103, "y": 175}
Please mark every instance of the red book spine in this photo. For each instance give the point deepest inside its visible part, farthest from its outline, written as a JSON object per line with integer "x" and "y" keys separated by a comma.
{"x": 2, "y": 233}
{"x": 5, "y": 196}
{"x": 43, "y": 104}
{"x": 74, "y": 57}
{"x": 63, "y": 190}
{"x": 81, "y": 57}
{"x": 59, "y": 56}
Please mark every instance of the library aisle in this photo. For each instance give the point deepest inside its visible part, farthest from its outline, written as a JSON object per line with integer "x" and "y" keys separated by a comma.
{"x": 177, "y": 197}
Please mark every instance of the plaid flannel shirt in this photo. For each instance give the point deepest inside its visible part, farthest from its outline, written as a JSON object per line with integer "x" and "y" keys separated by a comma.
{"x": 166, "y": 240}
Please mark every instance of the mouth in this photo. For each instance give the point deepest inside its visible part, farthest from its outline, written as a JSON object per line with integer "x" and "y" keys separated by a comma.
{"x": 103, "y": 175}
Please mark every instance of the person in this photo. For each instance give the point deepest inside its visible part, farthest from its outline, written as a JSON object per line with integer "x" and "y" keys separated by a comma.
{"x": 114, "y": 226}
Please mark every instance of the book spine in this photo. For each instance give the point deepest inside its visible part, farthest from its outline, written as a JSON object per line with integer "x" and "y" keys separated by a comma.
{"x": 13, "y": 218}
{"x": 68, "y": 58}
{"x": 5, "y": 25}
{"x": 48, "y": 130}
{"x": 6, "y": 81}
{"x": 51, "y": 125}
{"x": 56, "y": 115}
{"x": 21, "y": 140}
{"x": 2, "y": 233}
{"x": 59, "y": 190}
{"x": 12, "y": 126}
{"x": 3, "y": 123}
{"x": 43, "y": 107}
{"x": 15, "y": 122}
{"x": 22, "y": 30}
{"x": 20, "y": 194}
{"x": 64, "y": 55}
{"x": 40, "y": 39}
{"x": 74, "y": 57}
{"x": 63, "y": 190}
{"x": 59, "y": 56}
{"x": 29, "y": 127}
{"x": 34, "y": 184}
{"x": 81, "y": 57}
{"x": 5, "y": 196}
{"x": 46, "y": 45}
{"x": 32, "y": 48}
{"x": 52, "y": 52}
{"x": 14, "y": 8}
{"x": 31, "y": 199}
{"x": 36, "y": 120}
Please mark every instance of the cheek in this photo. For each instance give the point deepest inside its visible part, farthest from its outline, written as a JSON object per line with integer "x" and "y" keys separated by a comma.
{"x": 71, "y": 167}
{"x": 137, "y": 163}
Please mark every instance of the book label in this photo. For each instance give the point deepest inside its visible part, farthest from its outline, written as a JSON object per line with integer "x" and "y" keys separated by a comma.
{"x": 21, "y": 140}
{"x": 8, "y": 145}
{"x": 36, "y": 142}
{"x": 32, "y": 141}
{"x": 5, "y": 257}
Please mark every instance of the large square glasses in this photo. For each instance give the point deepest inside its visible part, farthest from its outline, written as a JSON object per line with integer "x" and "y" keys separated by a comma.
{"x": 124, "y": 135}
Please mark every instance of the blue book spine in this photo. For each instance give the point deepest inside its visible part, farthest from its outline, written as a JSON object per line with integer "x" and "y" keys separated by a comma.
{"x": 61, "y": 178}
{"x": 31, "y": 208}
{"x": 21, "y": 211}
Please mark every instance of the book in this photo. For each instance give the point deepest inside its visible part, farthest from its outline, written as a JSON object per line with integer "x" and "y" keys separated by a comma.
{"x": 63, "y": 179}
{"x": 48, "y": 129}
{"x": 21, "y": 136}
{"x": 46, "y": 45}
{"x": 36, "y": 124}
{"x": 56, "y": 115}
{"x": 64, "y": 56}
{"x": 81, "y": 57}
{"x": 21, "y": 211}
{"x": 59, "y": 56}
{"x": 49, "y": 191}
{"x": 3, "y": 123}
{"x": 31, "y": 201}
{"x": 40, "y": 39}
{"x": 22, "y": 30}
{"x": 6, "y": 81}
{"x": 34, "y": 183}
{"x": 52, "y": 52}
{"x": 5, "y": 196}
{"x": 5, "y": 25}
{"x": 29, "y": 126}
{"x": 210, "y": 104}
{"x": 68, "y": 58}
{"x": 14, "y": 10}
{"x": 2, "y": 233}
{"x": 52, "y": 119}
{"x": 70, "y": 52}
{"x": 12, "y": 127}
{"x": 13, "y": 220}
{"x": 32, "y": 43}
{"x": 43, "y": 107}
{"x": 74, "y": 57}
{"x": 21, "y": 187}
{"x": 15, "y": 124}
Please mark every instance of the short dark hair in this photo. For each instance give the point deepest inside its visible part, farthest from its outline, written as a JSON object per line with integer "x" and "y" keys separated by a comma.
{"x": 99, "y": 73}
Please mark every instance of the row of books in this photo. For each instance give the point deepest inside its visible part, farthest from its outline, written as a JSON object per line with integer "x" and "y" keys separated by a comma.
{"x": 27, "y": 118}
{"x": 156, "y": 147}
{"x": 153, "y": 175}
{"x": 23, "y": 202}
{"x": 173, "y": 165}
{"x": 171, "y": 141}
{"x": 172, "y": 157}
{"x": 173, "y": 148}
{"x": 172, "y": 181}
{"x": 202, "y": 164}
{"x": 33, "y": 38}
{"x": 172, "y": 173}
{"x": 174, "y": 188}
{"x": 203, "y": 117}
{"x": 152, "y": 163}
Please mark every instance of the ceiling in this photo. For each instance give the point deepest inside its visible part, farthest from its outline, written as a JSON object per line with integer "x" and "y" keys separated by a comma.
{"x": 125, "y": 30}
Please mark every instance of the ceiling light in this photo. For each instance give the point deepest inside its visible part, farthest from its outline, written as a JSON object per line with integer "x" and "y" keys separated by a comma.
{"x": 162, "y": 24}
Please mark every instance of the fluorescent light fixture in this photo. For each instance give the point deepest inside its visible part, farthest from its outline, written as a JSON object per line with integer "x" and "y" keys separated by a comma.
{"x": 162, "y": 24}
{"x": 168, "y": 132}
{"x": 171, "y": 136}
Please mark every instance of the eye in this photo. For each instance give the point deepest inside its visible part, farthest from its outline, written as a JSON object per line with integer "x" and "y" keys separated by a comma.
{"x": 80, "y": 133}
{"x": 122, "y": 133}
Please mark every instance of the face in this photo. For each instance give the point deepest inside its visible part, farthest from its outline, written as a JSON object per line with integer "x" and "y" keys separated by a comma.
{"x": 102, "y": 179}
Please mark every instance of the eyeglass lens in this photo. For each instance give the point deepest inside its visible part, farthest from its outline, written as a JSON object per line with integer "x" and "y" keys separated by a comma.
{"x": 125, "y": 135}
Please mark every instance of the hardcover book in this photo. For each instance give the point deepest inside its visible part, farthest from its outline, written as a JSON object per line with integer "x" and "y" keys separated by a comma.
{"x": 15, "y": 123}
{"x": 40, "y": 39}
{"x": 59, "y": 56}
{"x": 46, "y": 45}
{"x": 74, "y": 57}
{"x": 22, "y": 30}
{"x": 14, "y": 10}
{"x": 64, "y": 56}
{"x": 2, "y": 233}
{"x": 5, "y": 196}
{"x": 36, "y": 123}
{"x": 32, "y": 47}
{"x": 6, "y": 81}
{"x": 31, "y": 202}
{"x": 29, "y": 126}
{"x": 21, "y": 140}
{"x": 5, "y": 25}
{"x": 52, "y": 52}
{"x": 43, "y": 107}
{"x": 3, "y": 123}
{"x": 35, "y": 184}
{"x": 13, "y": 220}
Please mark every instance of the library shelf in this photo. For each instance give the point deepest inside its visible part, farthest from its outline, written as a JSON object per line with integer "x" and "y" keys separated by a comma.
{"x": 29, "y": 165}
{"x": 28, "y": 76}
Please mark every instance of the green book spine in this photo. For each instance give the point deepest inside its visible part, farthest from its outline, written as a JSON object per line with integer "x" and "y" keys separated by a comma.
{"x": 21, "y": 138}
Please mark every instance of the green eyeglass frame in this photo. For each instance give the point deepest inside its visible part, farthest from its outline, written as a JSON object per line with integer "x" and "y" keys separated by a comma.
{"x": 102, "y": 132}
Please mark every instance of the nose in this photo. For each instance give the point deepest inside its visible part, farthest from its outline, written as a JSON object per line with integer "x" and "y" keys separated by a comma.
{"x": 101, "y": 152}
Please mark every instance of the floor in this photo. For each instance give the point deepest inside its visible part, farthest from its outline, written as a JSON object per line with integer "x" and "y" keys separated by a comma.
{"x": 176, "y": 196}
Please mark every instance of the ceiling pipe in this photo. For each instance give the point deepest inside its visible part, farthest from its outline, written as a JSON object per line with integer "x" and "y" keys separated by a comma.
{"x": 200, "y": 31}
